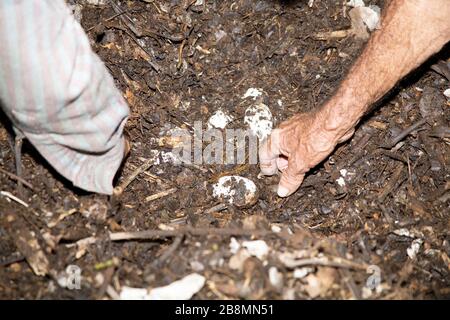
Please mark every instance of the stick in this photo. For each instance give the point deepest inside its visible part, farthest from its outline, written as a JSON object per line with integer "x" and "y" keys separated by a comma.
{"x": 17, "y": 178}
{"x": 18, "y": 156}
{"x": 180, "y": 55}
{"x": 125, "y": 18}
{"x": 216, "y": 208}
{"x": 131, "y": 26}
{"x": 160, "y": 194}
{"x": 337, "y": 34}
{"x": 107, "y": 20}
{"x": 9, "y": 195}
{"x": 159, "y": 234}
{"x": 404, "y": 133}
{"x": 152, "y": 177}
{"x": 15, "y": 257}
{"x": 153, "y": 64}
{"x": 324, "y": 261}
{"x": 27, "y": 244}
{"x": 144, "y": 167}
{"x": 391, "y": 184}
{"x": 348, "y": 279}
{"x": 173, "y": 247}
{"x": 162, "y": 234}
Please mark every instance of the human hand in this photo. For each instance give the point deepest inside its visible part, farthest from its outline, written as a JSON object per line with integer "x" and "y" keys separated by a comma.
{"x": 296, "y": 146}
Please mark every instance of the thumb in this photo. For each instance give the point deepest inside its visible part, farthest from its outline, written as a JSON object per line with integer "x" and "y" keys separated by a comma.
{"x": 290, "y": 181}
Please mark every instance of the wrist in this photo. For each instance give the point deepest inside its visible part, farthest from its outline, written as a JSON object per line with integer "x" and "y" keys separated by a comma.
{"x": 331, "y": 123}
{"x": 340, "y": 115}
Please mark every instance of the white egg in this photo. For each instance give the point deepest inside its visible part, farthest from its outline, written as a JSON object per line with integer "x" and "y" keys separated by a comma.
{"x": 236, "y": 190}
{"x": 259, "y": 119}
{"x": 252, "y": 93}
{"x": 219, "y": 120}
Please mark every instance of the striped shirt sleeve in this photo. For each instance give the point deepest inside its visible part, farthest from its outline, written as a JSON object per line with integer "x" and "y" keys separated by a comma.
{"x": 58, "y": 93}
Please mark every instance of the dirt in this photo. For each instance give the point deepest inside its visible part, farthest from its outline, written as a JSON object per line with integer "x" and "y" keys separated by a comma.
{"x": 364, "y": 208}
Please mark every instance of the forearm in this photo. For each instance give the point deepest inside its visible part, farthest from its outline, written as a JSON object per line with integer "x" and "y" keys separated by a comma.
{"x": 411, "y": 31}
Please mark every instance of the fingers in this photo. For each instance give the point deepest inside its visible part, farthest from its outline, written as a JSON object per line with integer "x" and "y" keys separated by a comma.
{"x": 282, "y": 163}
{"x": 269, "y": 152}
{"x": 290, "y": 181}
{"x": 271, "y": 159}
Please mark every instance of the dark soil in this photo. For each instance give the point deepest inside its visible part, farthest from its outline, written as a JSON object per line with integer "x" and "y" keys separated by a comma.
{"x": 391, "y": 196}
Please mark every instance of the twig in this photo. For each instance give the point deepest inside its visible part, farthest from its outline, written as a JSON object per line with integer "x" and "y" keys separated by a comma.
{"x": 174, "y": 246}
{"x": 391, "y": 155}
{"x": 392, "y": 183}
{"x": 130, "y": 25}
{"x": 144, "y": 167}
{"x": 348, "y": 279}
{"x": 82, "y": 242}
{"x": 160, "y": 194}
{"x": 27, "y": 244}
{"x": 194, "y": 166}
{"x": 180, "y": 54}
{"x": 337, "y": 34}
{"x": 17, "y": 178}
{"x": 435, "y": 159}
{"x": 14, "y": 257}
{"x": 387, "y": 215}
{"x": 9, "y": 195}
{"x": 159, "y": 234}
{"x": 405, "y": 133}
{"x": 18, "y": 142}
{"x": 128, "y": 22}
{"x": 271, "y": 52}
{"x": 118, "y": 191}
{"x": 337, "y": 262}
{"x": 107, "y": 20}
{"x": 162, "y": 234}
{"x": 152, "y": 177}
{"x": 173, "y": 38}
{"x": 216, "y": 208}
{"x": 359, "y": 148}
{"x": 154, "y": 65}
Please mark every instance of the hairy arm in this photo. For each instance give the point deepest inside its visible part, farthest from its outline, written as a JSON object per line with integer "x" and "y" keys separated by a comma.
{"x": 410, "y": 32}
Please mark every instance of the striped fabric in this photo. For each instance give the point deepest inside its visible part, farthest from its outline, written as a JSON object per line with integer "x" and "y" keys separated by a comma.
{"x": 59, "y": 94}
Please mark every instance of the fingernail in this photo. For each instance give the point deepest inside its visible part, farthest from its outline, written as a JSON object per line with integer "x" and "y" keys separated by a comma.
{"x": 282, "y": 191}
{"x": 268, "y": 171}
